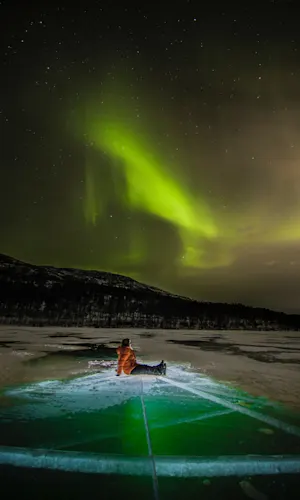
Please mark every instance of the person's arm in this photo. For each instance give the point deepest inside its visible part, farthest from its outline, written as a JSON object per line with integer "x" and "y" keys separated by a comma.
{"x": 122, "y": 360}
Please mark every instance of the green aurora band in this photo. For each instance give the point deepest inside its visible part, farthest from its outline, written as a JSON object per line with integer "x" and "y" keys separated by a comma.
{"x": 91, "y": 211}
{"x": 144, "y": 183}
{"x": 151, "y": 189}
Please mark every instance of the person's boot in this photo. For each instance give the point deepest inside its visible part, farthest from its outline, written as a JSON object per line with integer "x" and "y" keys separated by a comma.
{"x": 162, "y": 367}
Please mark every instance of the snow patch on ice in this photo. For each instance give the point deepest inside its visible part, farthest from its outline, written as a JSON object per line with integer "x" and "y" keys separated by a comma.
{"x": 102, "y": 363}
{"x": 88, "y": 393}
{"x": 66, "y": 347}
{"x": 22, "y": 354}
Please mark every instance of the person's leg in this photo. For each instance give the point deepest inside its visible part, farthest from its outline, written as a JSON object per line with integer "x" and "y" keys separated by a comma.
{"x": 159, "y": 369}
{"x": 141, "y": 370}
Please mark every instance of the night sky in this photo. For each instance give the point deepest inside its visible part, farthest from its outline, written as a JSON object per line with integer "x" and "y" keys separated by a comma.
{"x": 155, "y": 140}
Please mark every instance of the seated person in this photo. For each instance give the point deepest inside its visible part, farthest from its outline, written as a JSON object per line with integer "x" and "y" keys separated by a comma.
{"x": 127, "y": 362}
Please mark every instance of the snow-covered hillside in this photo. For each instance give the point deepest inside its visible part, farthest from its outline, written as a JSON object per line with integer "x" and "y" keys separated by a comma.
{"x": 45, "y": 295}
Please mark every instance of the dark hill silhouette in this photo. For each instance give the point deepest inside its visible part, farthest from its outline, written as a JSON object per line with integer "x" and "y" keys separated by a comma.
{"x": 45, "y": 295}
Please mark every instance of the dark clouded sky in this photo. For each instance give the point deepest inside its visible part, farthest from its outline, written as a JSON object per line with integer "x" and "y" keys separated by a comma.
{"x": 158, "y": 140}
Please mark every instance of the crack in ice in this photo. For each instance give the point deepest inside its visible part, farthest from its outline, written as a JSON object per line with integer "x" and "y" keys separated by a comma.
{"x": 166, "y": 466}
{"x": 273, "y": 422}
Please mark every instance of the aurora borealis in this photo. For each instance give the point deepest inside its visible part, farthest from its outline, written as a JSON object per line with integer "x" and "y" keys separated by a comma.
{"x": 157, "y": 143}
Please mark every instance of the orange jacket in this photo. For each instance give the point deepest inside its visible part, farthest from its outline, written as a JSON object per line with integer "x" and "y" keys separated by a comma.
{"x": 126, "y": 360}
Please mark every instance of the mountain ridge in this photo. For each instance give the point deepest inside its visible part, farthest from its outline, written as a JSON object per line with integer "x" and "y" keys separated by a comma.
{"x": 78, "y": 273}
{"x": 47, "y": 295}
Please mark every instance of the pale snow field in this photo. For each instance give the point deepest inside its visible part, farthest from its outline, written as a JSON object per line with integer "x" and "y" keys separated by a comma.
{"x": 262, "y": 363}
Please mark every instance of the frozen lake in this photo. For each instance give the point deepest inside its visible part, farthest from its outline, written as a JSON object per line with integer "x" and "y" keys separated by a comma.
{"x": 262, "y": 363}
{"x": 214, "y": 425}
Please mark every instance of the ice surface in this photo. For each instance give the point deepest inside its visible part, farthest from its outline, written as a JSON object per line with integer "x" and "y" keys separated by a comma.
{"x": 273, "y": 422}
{"x": 100, "y": 391}
{"x": 197, "y": 427}
{"x": 101, "y": 409}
